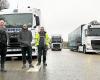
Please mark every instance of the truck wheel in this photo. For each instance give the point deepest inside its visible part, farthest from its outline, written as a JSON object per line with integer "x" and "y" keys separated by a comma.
{"x": 78, "y": 50}
{"x": 60, "y": 49}
{"x": 52, "y": 49}
{"x": 84, "y": 49}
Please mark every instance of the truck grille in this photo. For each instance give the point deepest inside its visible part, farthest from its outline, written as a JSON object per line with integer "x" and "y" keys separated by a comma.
{"x": 95, "y": 44}
{"x": 13, "y": 29}
{"x": 56, "y": 46}
{"x": 13, "y": 39}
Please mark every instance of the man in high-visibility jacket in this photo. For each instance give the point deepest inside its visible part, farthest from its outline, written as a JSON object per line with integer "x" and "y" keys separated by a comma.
{"x": 42, "y": 42}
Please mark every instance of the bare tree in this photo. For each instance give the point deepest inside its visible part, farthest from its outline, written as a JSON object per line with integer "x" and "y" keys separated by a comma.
{"x": 4, "y": 4}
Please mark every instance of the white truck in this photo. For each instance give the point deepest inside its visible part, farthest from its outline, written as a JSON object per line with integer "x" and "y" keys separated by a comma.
{"x": 56, "y": 42}
{"x": 14, "y": 22}
{"x": 86, "y": 38}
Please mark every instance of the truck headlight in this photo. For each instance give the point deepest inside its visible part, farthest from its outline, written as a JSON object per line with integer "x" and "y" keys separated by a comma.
{"x": 88, "y": 44}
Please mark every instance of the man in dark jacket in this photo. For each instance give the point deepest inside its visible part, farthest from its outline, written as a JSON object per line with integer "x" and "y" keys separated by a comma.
{"x": 25, "y": 38}
{"x": 3, "y": 44}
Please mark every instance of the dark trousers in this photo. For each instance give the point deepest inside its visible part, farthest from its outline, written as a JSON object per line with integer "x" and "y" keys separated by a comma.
{"x": 42, "y": 51}
{"x": 27, "y": 50}
{"x": 3, "y": 51}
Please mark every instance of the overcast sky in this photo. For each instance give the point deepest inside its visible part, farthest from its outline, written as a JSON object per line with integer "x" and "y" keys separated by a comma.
{"x": 63, "y": 16}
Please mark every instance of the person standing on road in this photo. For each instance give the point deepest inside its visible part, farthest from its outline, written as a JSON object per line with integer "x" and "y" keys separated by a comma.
{"x": 25, "y": 38}
{"x": 3, "y": 44}
{"x": 42, "y": 42}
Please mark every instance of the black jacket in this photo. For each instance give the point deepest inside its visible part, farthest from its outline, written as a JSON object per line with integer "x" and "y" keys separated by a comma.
{"x": 25, "y": 38}
{"x": 3, "y": 38}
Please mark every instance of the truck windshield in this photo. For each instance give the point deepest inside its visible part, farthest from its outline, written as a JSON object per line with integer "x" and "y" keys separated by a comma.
{"x": 17, "y": 20}
{"x": 93, "y": 32}
{"x": 56, "y": 39}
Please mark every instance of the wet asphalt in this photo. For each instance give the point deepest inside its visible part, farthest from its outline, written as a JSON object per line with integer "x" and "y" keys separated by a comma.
{"x": 61, "y": 65}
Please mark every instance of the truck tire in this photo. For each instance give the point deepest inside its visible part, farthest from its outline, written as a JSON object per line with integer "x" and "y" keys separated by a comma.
{"x": 78, "y": 50}
{"x": 60, "y": 49}
{"x": 52, "y": 49}
{"x": 71, "y": 50}
{"x": 84, "y": 49}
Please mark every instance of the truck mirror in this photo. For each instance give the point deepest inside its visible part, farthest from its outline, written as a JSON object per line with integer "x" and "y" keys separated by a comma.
{"x": 37, "y": 20}
{"x": 86, "y": 32}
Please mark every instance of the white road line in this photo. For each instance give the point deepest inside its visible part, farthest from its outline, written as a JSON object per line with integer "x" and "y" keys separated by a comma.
{"x": 35, "y": 69}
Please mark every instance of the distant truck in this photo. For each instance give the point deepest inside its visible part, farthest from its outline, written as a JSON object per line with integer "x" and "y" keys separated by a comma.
{"x": 14, "y": 22}
{"x": 86, "y": 38}
{"x": 56, "y": 42}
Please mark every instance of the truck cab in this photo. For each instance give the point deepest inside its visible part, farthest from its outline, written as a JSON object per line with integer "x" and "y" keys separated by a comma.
{"x": 14, "y": 22}
{"x": 56, "y": 42}
{"x": 91, "y": 38}
{"x": 85, "y": 38}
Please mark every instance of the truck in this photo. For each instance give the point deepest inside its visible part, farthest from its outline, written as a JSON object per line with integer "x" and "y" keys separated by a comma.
{"x": 56, "y": 42}
{"x": 86, "y": 38}
{"x": 14, "y": 21}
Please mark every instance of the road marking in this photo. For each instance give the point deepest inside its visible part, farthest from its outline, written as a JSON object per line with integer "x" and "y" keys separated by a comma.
{"x": 35, "y": 69}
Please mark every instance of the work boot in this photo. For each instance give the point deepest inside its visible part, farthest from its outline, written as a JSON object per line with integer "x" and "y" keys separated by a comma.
{"x": 24, "y": 66}
{"x": 38, "y": 64}
{"x": 45, "y": 64}
{"x": 31, "y": 66}
{"x": 3, "y": 70}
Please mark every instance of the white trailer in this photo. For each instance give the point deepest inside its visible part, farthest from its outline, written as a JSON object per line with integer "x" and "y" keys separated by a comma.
{"x": 86, "y": 38}
{"x": 14, "y": 21}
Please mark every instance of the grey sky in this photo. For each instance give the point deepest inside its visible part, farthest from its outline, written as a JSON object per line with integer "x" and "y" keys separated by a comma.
{"x": 63, "y": 16}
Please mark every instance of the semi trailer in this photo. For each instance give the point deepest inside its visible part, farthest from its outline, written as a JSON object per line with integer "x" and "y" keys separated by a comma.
{"x": 86, "y": 38}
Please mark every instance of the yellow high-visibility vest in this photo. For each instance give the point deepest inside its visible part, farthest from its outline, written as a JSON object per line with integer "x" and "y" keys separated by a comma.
{"x": 37, "y": 39}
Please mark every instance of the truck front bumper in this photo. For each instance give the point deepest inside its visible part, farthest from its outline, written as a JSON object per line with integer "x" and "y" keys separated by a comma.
{"x": 19, "y": 54}
{"x": 15, "y": 52}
